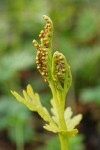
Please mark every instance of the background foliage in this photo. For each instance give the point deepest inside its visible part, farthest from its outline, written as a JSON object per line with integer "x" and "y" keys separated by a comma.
{"x": 77, "y": 35}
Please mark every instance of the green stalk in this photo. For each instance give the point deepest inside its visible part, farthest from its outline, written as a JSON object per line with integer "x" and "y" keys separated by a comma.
{"x": 59, "y": 99}
{"x": 62, "y": 126}
{"x": 62, "y": 137}
{"x": 63, "y": 142}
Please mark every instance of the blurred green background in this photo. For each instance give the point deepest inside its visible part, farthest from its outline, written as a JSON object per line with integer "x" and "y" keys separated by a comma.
{"x": 77, "y": 36}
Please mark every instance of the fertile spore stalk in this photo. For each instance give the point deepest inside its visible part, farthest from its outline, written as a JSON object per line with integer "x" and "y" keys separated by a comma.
{"x": 56, "y": 72}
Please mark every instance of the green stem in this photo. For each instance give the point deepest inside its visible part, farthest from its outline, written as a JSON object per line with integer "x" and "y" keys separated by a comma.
{"x": 62, "y": 123}
{"x": 59, "y": 99}
{"x": 63, "y": 142}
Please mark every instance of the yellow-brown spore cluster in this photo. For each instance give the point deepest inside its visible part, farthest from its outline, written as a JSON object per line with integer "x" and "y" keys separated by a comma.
{"x": 43, "y": 48}
{"x": 59, "y": 67}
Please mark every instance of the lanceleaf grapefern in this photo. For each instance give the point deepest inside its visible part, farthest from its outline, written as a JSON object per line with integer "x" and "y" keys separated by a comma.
{"x": 57, "y": 74}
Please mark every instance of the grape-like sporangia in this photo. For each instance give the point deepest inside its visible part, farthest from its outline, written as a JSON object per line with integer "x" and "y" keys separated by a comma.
{"x": 43, "y": 48}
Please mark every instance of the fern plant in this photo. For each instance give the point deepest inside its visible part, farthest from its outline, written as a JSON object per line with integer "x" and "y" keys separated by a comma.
{"x": 56, "y": 72}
